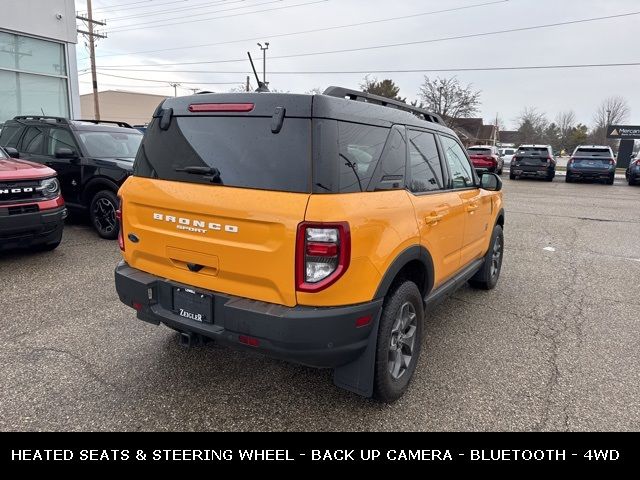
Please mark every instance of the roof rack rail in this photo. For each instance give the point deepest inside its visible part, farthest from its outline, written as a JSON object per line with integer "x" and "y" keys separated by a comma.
{"x": 42, "y": 117}
{"x": 97, "y": 122}
{"x": 341, "y": 92}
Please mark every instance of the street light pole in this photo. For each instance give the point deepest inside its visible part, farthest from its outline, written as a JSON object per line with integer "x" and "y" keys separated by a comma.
{"x": 264, "y": 61}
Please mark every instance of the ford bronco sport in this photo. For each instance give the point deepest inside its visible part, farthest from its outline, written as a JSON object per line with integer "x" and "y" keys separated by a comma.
{"x": 92, "y": 158}
{"x": 32, "y": 211}
{"x": 313, "y": 228}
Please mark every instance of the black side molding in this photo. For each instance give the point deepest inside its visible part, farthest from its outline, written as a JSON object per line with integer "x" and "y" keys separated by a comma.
{"x": 454, "y": 283}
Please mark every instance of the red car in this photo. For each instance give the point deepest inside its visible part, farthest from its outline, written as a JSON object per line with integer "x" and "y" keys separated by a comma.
{"x": 32, "y": 212}
{"x": 486, "y": 157}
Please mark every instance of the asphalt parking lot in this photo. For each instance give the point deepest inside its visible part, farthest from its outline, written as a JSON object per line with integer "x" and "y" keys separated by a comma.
{"x": 553, "y": 347}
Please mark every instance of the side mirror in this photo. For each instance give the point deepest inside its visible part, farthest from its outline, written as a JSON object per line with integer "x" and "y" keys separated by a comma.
{"x": 12, "y": 152}
{"x": 490, "y": 181}
{"x": 64, "y": 152}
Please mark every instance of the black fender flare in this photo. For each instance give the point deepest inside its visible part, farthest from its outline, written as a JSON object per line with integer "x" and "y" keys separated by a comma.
{"x": 500, "y": 215}
{"x": 97, "y": 184}
{"x": 415, "y": 252}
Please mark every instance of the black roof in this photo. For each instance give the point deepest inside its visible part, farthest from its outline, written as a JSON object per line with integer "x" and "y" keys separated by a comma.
{"x": 336, "y": 103}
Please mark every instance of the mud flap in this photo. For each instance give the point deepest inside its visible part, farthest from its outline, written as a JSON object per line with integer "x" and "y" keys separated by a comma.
{"x": 358, "y": 376}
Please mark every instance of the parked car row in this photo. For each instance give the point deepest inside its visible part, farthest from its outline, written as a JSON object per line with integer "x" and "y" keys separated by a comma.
{"x": 88, "y": 160}
{"x": 588, "y": 163}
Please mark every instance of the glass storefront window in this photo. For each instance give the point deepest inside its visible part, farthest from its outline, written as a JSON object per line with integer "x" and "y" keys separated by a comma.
{"x": 31, "y": 55}
{"x": 32, "y": 77}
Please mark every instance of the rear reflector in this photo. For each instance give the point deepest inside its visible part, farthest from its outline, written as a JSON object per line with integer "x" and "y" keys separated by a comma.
{"x": 363, "y": 321}
{"x": 137, "y": 306}
{"x": 220, "y": 107}
{"x": 252, "y": 342}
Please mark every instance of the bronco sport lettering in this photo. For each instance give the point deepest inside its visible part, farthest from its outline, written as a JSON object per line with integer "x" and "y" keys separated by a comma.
{"x": 350, "y": 220}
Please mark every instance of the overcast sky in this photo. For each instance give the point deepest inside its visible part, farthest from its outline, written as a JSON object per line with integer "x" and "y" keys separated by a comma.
{"x": 505, "y": 93}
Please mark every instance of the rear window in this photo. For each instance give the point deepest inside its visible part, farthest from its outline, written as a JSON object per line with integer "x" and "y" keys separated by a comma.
{"x": 244, "y": 151}
{"x": 532, "y": 151}
{"x": 593, "y": 152}
{"x": 480, "y": 151}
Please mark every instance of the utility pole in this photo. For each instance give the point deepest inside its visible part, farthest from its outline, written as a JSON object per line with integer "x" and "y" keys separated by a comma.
{"x": 91, "y": 35}
{"x": 264, "y": 61}
{"x": 175, "y": 88}
{"x": 194, "y": 90}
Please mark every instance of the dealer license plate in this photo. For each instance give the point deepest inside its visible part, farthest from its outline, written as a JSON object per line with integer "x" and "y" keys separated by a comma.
{"x": 193, "y": 305}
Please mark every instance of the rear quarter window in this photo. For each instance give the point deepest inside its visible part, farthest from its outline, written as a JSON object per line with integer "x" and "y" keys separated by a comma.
{"x": 10, "y": 135}
{"x": 360, "y": 150}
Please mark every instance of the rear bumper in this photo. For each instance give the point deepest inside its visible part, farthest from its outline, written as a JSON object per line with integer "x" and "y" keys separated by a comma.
{"x": 532, "y": 171}
{"x": 31, "y": 229}
{"x": 591, "y": 174}
{"x": 491, "y": 167}
{"x": 318, "y": 337}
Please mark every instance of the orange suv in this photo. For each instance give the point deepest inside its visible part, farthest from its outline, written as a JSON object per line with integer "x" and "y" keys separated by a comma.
{"x": 313, "y": 228}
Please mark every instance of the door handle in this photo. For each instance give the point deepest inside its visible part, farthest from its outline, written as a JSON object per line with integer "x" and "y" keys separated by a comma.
{"x": 434, "y": 218}
{"x": 472, "y": 207}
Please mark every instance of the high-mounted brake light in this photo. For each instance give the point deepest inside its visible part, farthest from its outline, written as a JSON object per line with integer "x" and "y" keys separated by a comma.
{"x": 323, "y": 253}
{"x": 221, "y": 107}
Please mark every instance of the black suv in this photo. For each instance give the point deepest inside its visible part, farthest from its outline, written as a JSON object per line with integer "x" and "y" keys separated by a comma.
{"x": 92, "y": 159}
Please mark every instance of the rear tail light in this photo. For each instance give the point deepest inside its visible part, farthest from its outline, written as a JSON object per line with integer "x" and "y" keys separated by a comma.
{"x": 120, "y": 227}
{"x": 571, "y": 161}
{"x": 612, "y": 161}
{"x": 323, "y": 253}
{"x": 637, "y": 162}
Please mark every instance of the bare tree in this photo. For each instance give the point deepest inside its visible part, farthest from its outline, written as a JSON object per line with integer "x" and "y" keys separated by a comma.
{"x": 448, "y": 98}
{"x": 315, "y": 91}
{"x": 612, "y": 110}
{"x": 565, "y": 121}
{"x": 533, "y": 126}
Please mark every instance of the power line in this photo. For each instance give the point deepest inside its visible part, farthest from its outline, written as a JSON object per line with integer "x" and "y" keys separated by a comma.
{"x": 401, "y": 44}
{"x": 412, "y": 70}
{"x": 315, "y": 30}
{"x": 168, "y": 82}
{"x": 127, "y": 6}
{"x": 165, "y": 11}
{"x": 146, "y": 24}
{"x": 226, "y": 16}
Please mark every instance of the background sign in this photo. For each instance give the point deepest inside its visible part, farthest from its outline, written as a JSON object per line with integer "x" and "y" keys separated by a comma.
{"x": 626, "y": 132}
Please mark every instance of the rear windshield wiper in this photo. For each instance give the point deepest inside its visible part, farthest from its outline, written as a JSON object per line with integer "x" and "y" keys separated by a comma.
{"x": 206, "y": 171}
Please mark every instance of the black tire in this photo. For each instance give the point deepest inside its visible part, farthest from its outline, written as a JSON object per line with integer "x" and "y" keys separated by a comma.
{"x": 568, "y": 179}
{"x": 611, "y": 180}
{"x": 549, "y": 179}
{"x": 632, "y": 181}
{"x": 401, "y": 325}
{"x": 512, "y": 176}
{"x": 487, "y": 277}
{"x": 102, "y": 212}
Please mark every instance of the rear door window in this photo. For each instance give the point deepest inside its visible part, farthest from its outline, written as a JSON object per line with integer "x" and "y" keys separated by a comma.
{"x": 360, "y": 148}
{"x": 243, "y": 149}
{"x": 426, "y": 170}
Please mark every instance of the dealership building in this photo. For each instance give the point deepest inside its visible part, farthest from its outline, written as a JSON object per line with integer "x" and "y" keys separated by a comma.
{"x": 38, "y": 70}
